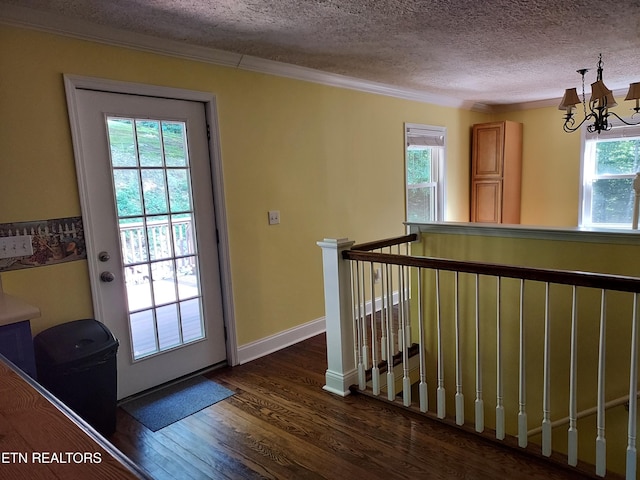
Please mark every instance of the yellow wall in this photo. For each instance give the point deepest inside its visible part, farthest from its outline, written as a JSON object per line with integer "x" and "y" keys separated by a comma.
{"x": 550, "y": 168}
{"x": 331, "y": 160}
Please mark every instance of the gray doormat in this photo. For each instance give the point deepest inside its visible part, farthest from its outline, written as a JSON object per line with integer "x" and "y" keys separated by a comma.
{"x": 168, "y": 405}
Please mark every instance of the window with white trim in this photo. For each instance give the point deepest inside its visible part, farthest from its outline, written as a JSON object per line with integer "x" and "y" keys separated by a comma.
{"x": 424, "y": 172}
{"x": 611, "y": 160}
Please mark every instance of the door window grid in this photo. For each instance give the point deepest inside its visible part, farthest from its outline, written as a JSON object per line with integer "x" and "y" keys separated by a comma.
{"x": 154, "y": 207}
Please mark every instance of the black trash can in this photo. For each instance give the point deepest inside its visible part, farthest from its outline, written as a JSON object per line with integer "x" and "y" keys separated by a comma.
{"x": 76, "y": 362}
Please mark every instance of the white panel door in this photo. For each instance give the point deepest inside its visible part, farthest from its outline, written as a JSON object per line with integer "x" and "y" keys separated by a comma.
{"x": 145, "y": 181}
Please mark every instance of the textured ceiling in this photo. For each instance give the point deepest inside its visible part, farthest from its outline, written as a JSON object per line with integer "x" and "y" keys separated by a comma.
{"x": 487, "y": 52}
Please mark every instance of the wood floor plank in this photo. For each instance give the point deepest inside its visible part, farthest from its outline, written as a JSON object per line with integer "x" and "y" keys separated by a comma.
{"x": 280, "y": 424}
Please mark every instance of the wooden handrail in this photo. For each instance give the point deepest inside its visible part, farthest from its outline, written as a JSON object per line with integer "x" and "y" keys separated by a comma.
{"x": 387, "y": 242}
{"x": 565, "y": 277}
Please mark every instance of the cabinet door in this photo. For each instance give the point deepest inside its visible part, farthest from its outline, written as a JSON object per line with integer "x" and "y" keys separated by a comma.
{"x": 488, "y": 150}
{"x": 486, "y": 201}
{"x": 16, "y": 344}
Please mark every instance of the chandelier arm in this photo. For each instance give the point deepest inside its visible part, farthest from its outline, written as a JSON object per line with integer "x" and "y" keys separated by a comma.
{"x": 569, "y": 129}
{"x": 623, "y": 120}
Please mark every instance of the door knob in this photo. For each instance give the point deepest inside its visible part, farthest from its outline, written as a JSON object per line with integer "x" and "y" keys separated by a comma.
{"x": 107, "y": 277}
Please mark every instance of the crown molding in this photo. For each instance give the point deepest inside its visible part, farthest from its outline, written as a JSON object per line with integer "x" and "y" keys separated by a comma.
{"x": 549, "y": 102}
{"x": 60, "y": 25}
{"x": 342, "y": 81}
{"x": 23, "y": 17}
{"x": 57, "y": 24}
{"x": 513, "y": 107}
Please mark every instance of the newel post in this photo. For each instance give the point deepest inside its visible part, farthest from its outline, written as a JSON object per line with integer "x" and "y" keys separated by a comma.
{"x": 341, "y": 365}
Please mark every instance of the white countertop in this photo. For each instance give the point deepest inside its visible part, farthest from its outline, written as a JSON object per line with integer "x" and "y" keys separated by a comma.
{"x": 14, "y": 310}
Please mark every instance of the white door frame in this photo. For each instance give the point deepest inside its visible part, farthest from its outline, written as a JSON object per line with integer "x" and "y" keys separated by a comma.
{"x": 74, "y": 82}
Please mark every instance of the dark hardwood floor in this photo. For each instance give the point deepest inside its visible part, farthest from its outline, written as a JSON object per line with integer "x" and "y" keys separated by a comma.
{"x": 280, "y": 424}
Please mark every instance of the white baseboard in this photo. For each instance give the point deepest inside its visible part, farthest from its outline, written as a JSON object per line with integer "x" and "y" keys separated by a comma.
{"x": 286, "y": 338}
{"x": 395, "y": 301}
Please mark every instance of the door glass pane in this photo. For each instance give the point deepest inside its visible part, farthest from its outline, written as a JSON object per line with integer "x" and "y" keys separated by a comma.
{"x": 188, "y": 285}
{"x": 133, "y": 241}
{"x": 164, "y": 284}
{"x": 149, "y": 143}
{"x": 179, "y": 198}
{"x": 192, "y": 328}
{"x": 143, "y": 333}
{"x": 122, "y": 142}
{"x": 168, "y": 326}
{"x": 127, "y": 188}
{"x": 183, "y": 240}
{"x": 138, "y": 287}
{"x": 154, "y": 190}
{"x": 159, "y": 238}
{"x": 152, "y": 179}
{"x": 174, "y": 144}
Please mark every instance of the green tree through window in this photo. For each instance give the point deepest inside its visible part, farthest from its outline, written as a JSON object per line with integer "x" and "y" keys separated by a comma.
{"x": 424, "y": 161}
{"x": 610, "y": 165}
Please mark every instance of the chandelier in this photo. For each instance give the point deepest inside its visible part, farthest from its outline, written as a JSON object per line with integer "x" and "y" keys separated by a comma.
{"x": 598, "y": 108}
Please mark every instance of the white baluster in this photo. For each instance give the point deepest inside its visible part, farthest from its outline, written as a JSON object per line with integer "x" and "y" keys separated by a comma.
{"x": 601, "y": 444}
{"x": 365, "y": 330}
{"x": 391, "y": 378}
{"x": 459, "y": 398}
{"x": 401, "y": 310}
{"x": 500, "y": 428}
{"x": 407, "y": 317}
{"x": 572, "y": 449}
{"x": 522, "y": 391}
{"x": 375, "y": 372}
{"x": 633, "y": 395}
{"x": 358, "y": 321}
{"x": 424, "y": 398}
{"x": 479, "y": 402}
{"x": 406, "y": 379}
{"x": 386, "y": 312}
{"x": 546, "y": 390}
{"x": 441, "y": 397}
{"x": 393, "y": 340}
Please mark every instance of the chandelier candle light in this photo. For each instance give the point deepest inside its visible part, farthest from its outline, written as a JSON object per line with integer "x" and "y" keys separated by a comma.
{"x": 599, "y": 104}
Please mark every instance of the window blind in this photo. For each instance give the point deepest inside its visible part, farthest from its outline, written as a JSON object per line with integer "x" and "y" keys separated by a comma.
{"x": 425, "y": 137}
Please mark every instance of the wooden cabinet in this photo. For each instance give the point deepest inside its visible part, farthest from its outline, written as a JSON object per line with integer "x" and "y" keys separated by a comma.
{"x": 496, "y": 171}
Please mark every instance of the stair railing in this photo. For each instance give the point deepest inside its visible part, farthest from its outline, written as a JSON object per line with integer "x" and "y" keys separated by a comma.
{"x": 369, "y": 319}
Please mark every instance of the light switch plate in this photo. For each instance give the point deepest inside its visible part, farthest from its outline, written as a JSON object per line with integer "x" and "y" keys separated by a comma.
{"x": 18, "y": 246}
{"x": 274, "y": 217}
